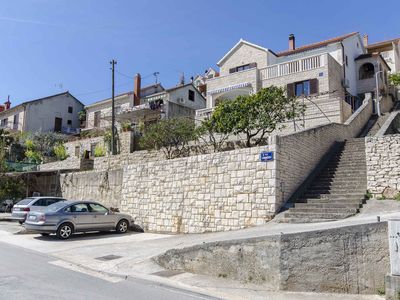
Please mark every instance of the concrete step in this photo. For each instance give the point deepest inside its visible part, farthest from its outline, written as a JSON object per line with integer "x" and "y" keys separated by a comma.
{"x": 343, "y": 201}
{"x": 328, "y": 210}
{"x": 327, "y": 205}
{"x": 294, "y": 220}
{"x": 336, "y": 190}
{"x": 355, "y": 196}
{"x": 307, "y": 215}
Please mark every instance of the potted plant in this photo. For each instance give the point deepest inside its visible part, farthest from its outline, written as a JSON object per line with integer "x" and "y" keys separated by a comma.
{"x": 126, "y": 126}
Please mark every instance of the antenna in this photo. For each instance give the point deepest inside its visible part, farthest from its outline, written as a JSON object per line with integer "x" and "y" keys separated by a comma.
{"x": 182, "y": 79}
{"x": 155, "y": 74}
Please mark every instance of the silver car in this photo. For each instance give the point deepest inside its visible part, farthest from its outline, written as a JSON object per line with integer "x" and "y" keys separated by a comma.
{"x": 21, "y": 209}
{"x": 65, "y": 218}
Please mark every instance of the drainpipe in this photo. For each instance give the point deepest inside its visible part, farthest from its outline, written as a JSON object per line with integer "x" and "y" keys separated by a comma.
{"x": 378, "y": 106}
{"x": 344, "y": 80}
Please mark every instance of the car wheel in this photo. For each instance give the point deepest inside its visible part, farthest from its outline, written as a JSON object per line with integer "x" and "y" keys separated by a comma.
{"x": 122, "y": 226}
{"x": 64, "y": 231}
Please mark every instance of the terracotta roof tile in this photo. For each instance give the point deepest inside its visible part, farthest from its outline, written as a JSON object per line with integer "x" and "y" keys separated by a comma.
{"x": 316, "y": 45}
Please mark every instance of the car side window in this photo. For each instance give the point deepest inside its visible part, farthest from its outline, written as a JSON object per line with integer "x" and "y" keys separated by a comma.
{"x": 51, "y": 201}
{"x": 97, "y": 208}
{"x": 78, "y": 208}
{"x": 40, "y": 202}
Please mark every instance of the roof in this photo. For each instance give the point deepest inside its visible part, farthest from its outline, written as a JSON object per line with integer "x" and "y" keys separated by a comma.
{"x": 237, "y": 45}
{"x": 40, "y": 99}
{"x": 383, "y": 43}
{"x": 316, "y": 45}
{"x": 369, "y": 55}
{"x": 125, "y": 94}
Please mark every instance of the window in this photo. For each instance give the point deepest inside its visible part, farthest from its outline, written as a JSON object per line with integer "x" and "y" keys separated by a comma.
{"x": 69, "y": 122}
{"x": 16, "y": 118}
{"x": 4, "y": 122}
{"x": 243, "y": 67}
{"x": 191, "y": 95}
{"x": 347, "y": 61}
{"x": 40, "y": 202}
{"x": 80, "y": 208}
{"x": 97, "y": 119}
{"x": 366, "y": 71}
{"x": 77, "y": 151}
{"x": 70, "y": 109}
{"x": 97, "y": 208}
{"x": 302, "y": 88}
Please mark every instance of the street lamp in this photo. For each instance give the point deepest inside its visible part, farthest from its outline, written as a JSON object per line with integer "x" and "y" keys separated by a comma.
{"x": 378, "y": 108}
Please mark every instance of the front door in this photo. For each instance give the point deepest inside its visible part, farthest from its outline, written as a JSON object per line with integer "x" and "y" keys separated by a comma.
{"x": 57, "y": 124}
{"x": 101, "y": 217}
{"x": 81, "y": 216}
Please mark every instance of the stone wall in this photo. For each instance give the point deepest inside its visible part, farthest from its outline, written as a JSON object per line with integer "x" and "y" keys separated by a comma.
{"x": 352, "y": 260}
{"x": 211, "y": 192}
{"x": 102, "y": 186}
{"x": 383, "y": 163}
{"x": 71, "y": 163}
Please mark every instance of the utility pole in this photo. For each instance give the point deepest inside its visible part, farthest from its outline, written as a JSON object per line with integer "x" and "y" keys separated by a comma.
{"x": 113, "y": 150}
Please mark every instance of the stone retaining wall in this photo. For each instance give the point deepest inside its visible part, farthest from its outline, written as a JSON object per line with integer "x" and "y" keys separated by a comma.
{"x": 383, "y": 163}
{"x": 211, "y": 192}
{"x": 102, "y": 186}
{"x": 352, "y": 260}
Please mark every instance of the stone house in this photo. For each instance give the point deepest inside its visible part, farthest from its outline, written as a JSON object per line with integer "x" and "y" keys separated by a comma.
{"x": 200, "y": 80}
{"x": 56, "y": 113}
{"x": 323, "y": 75}
{"x": 146, "y": 105}
{"x": 390, "y": 51}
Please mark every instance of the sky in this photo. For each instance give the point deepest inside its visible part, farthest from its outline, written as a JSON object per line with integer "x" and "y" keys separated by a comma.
{"x": 50, "y": 46}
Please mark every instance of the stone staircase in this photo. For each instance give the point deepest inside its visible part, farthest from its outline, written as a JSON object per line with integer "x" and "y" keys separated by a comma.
{"x": 338, "y": 191}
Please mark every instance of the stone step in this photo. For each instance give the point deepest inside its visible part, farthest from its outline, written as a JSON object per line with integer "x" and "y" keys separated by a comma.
{"x": 327, "y": 205}
{"x": 343, "y": 173}
{"x": 336, "y": 190}
{"x": 339, "y": 181}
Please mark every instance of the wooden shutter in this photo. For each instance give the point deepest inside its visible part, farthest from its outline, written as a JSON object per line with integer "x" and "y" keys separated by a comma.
{"x": 313, "y": 86}
{"x": 290, "y": 90}
{"x": 233, "y": 70}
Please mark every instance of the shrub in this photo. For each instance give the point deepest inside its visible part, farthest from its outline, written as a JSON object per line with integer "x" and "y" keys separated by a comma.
{"x": 33, "y": 156}
{"x": 60, "y": 152}
{"x": 99, "y": 151}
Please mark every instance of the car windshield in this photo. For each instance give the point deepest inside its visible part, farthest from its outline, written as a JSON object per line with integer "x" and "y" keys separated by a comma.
{"x": 56, "y": 206}
{"x": 25, "y": 201}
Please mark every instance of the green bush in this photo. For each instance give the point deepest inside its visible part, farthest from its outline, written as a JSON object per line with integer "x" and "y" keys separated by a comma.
{"x": 33, "y": 156}
{"x": 99, "y": 151}
{"x": 60, "y": 152}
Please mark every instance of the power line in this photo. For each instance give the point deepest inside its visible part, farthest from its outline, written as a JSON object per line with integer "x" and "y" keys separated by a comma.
{"x": 103, "y": 90}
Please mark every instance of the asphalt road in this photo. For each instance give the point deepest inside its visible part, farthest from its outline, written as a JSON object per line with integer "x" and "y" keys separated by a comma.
{"x": 28, "y": 275}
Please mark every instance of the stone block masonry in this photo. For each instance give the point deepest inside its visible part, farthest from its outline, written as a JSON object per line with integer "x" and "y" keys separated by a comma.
{"x": 211, "y": 192}
{"x": 383, "y": 163}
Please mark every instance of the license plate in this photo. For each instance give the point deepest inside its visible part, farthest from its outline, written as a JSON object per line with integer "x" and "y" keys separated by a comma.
{"x": 33, "y": 218}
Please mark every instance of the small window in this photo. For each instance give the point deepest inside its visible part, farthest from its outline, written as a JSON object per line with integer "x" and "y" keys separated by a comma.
{"x": 191, "y": 95}
{"x": 4, "y": 122}
{"x": 69, "y": 122}
{"x": 347, "y": 61}
{"x": 366, "y": 71}
{"x": 16, "y": 117}
{"x": 70, "y": 109}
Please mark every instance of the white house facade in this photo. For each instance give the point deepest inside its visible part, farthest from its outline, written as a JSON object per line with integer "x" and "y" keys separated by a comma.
{"x": 323, "y": 75}
{"x": 56, "y": 113}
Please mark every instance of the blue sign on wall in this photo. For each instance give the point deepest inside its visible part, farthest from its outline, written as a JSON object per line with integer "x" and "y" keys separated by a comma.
{"x": 266, "y": 156}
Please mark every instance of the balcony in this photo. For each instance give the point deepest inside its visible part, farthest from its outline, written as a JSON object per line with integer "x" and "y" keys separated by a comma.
{"x": 291, "y": 67}
{"x": 203, "y": 113}
{"x": 70, "y": 130}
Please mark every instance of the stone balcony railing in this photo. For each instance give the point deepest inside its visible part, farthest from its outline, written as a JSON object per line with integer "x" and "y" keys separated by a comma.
{"x": 294, "y": 66}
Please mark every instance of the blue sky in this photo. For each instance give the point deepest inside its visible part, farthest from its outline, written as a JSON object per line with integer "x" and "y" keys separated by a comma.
{"x": 49, "y": 46}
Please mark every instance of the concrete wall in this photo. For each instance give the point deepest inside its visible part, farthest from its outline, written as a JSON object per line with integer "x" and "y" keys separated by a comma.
{"x": 102, "y": 186}
{"x": 351, "y": 259}
{"x": 383, "y": 163}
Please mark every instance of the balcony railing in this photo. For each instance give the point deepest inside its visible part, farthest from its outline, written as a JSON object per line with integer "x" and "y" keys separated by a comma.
{"x": 290, "y": 67}
{"x": 204, "y": 113}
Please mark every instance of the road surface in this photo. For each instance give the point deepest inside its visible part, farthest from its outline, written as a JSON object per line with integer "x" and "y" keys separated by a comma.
{"x": 25, "y": 274}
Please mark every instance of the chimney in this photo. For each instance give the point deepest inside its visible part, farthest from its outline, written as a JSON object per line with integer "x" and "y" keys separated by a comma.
{"x": 136, "y": 90}
{"x": 365, "y": 40}
{"x": 292, "y": 43}
{"x": 8, "y": 103}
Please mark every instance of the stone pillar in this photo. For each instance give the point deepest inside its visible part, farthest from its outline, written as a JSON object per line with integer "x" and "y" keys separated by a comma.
{"x": 392, "y": 280}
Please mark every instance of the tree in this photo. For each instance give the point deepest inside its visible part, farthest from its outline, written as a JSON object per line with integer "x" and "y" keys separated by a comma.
{"x": 170, "y": 135}
{"x": 257, "y": 114}
{"x": 211, "y": 134}
{"x": 394, "y": 78}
